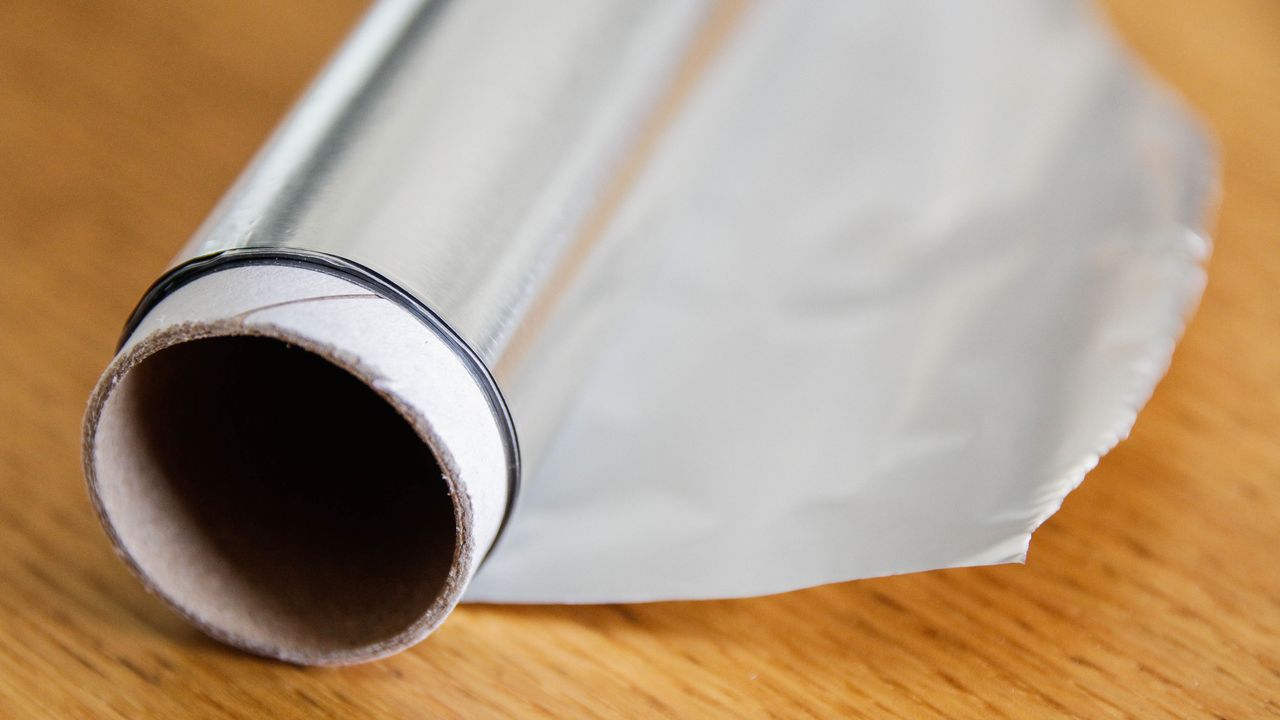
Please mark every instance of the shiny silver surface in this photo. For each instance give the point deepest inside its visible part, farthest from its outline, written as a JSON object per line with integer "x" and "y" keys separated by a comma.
{"x": 818, "y": 292}
{"x": 457, "y": 147}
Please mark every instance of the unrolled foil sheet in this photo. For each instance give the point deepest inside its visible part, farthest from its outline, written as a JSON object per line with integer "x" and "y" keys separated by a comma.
{"x": 776, "y": 294}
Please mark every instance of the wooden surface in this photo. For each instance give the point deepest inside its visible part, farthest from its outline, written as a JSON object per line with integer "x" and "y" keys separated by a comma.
{"x": 1154, "y": 593}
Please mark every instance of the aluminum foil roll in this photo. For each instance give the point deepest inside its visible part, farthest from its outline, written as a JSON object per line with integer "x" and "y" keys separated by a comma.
{"x": 679, "y": 299}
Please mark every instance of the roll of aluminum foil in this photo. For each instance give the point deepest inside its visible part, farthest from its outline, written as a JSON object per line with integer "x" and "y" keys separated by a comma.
{"x": 599, "y": 300}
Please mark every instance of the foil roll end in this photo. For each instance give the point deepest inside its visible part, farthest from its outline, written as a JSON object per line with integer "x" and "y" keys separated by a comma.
{"x": 285, "y": 497}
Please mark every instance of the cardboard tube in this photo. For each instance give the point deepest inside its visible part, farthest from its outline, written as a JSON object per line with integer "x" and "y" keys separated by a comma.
{"x": 298, "y": 465}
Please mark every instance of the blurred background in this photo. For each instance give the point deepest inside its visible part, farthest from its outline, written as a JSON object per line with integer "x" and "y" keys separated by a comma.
{"x": 1155, "y": 592}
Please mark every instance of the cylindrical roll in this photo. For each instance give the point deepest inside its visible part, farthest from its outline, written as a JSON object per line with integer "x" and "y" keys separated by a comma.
{"x": 363, "y": 275}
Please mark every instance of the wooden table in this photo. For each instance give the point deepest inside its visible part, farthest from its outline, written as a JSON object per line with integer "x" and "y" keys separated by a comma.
{"x": 1154, "y": 593}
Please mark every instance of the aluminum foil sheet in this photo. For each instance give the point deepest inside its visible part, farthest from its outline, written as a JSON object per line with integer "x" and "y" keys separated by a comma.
{"x": 776, "y": 294}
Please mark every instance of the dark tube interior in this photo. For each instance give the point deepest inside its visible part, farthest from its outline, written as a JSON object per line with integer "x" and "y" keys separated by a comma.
{"x": 302, "y": 510}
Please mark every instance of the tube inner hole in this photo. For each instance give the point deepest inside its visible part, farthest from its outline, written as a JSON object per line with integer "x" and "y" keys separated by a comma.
{"x": 274, "y": 497}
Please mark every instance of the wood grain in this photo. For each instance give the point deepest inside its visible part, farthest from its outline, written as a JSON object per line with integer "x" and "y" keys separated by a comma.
{"x": 1154, "y": 593}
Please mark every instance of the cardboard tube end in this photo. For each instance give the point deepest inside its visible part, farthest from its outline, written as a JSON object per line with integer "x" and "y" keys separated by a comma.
{"x": 272, "y": 490}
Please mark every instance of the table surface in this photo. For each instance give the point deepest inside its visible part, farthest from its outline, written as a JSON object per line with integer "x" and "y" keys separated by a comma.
{"x": 1155, "y": 592}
